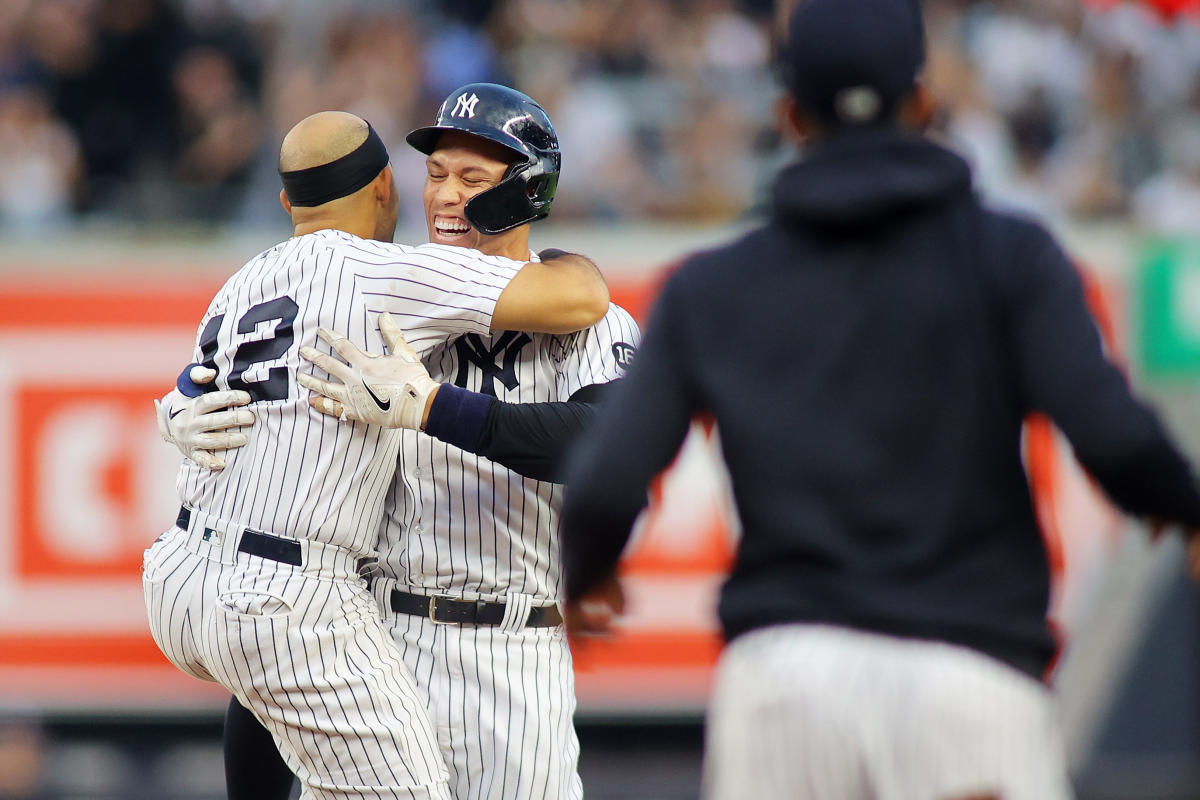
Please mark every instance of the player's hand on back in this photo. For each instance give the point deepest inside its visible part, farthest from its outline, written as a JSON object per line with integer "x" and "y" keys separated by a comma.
{"x": 1160, "y": 527}
{"x": 206, "y": 423}
{"x": 391, "y": 391}
{"x": 595, "y": 612}
{"x": 1193, "y": 554}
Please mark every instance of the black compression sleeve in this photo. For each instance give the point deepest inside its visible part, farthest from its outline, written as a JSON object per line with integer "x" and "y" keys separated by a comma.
{"x": 532, "y": 439}
{"x": 254, "y": 770}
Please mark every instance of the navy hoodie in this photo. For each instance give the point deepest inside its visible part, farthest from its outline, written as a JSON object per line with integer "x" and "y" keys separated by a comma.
{"x": 869, "y": 355}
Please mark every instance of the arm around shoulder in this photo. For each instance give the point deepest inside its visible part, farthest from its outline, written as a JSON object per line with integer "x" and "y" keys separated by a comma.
{"x": 562, "y": 294}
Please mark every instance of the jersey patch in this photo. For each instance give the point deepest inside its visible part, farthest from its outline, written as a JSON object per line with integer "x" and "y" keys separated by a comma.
{"x": 623, "y": 352}
{"x": 473, "y": 352}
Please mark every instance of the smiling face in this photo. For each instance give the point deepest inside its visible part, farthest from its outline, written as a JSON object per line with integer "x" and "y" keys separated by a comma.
{"x": 459, "y": 168}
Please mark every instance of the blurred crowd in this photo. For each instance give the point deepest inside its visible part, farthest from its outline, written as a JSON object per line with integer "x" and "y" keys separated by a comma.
{"x": 169, "y": 111}
{"x": 1073, "y": 111}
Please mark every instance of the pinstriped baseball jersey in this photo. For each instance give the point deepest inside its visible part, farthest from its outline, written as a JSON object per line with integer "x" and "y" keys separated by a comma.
{"x": 299, "y": 642}
{"x": 327, "y": 483}
{"x": 457, "y": 522}
{"x": 501, "y": 699}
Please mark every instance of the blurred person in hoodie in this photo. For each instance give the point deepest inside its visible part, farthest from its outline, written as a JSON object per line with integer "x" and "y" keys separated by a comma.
{"x": 869, "y": 355}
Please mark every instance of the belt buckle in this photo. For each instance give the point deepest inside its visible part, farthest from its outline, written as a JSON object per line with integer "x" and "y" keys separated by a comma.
{"x": 433, "y": 598}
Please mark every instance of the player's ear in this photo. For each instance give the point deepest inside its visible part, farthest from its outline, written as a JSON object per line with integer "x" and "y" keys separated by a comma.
{"x": 918, "y": 109}
{"x": 385, "y": 185}
{"x": 283, "y": 201}
{"x": 795, "y": 125}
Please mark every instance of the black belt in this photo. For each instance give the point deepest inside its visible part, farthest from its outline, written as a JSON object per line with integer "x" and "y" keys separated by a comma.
{"x": 265, "y": 545}
{"x": 468, "y": 612}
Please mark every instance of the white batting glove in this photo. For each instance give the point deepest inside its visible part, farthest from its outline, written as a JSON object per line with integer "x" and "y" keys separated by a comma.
{"x": 389, "y": 391}
{"x": 198, "y": 425}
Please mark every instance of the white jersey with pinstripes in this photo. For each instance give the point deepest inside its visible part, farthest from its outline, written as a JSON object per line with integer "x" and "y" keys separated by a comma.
{"x": 459, "y": 524}
{"x": 501, "y": 698}
{"x": 296, "y": 636}
{"x": 303, "y": 474}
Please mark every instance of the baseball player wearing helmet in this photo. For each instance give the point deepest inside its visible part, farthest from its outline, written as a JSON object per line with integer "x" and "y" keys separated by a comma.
{"x": 259, "y": 585}
{"x": 886, "y": 611}
{"x": 470, "y": 577}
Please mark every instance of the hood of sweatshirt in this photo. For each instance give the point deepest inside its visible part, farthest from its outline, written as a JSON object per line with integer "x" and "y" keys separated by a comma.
{"x": 861, "y": 177}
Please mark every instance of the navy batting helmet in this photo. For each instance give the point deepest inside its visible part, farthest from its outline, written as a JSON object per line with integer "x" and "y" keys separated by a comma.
{"x": 512, "y": 119}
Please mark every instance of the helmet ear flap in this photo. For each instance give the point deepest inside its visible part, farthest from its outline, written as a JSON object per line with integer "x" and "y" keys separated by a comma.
{"x": 523, "y": 195}
{"x": 502, "y": 207}
{"x": 540, "y": 189}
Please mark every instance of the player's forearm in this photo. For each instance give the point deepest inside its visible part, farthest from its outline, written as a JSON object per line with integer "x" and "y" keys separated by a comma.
{"x": 635, "y": 436}
{"x": 562, "y": 294}
{"x": 599, "y": 514}
{"x": 590, "y": 296}
{"x": 1065, "y": 372}
{"x": 531, "y": 439}
{"x": 534, "y": 439}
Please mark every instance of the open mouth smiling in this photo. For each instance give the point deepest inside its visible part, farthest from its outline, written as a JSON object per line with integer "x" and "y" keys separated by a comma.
{"x": 450, "y": 227}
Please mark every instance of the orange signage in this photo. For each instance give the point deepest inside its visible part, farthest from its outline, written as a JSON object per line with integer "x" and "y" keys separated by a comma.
{"x": 86, "y": 485}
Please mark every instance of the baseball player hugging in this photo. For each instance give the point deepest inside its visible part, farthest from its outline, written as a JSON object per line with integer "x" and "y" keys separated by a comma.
{"x": 469, "y": 573}
{"x": 259, "y": 585}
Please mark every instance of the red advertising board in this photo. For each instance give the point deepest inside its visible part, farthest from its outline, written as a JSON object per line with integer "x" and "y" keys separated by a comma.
{"x": 86, "y": 484}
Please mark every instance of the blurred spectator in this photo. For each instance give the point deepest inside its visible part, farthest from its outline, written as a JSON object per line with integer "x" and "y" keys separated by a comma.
{"x": 730, "y": 41}
{"x": 109, "y": 66}
{"x": 458, "y": 50}
{"x": 15, "y": 63}
{"x": 216, "y": 131}
{"x": 375, "y": 72}
{"x": 971, "y": 123}
{"x": 602, "y": 175}
{"x": 1169, "y": 203}
{"x": 39, "y": 163}
{"x": 1034, "y": 134}
{"x": 664, "y": 106}
{"x": 1111, "y": 149}
{"x": 708, "y": 173}
{"x": 22, "y": 757}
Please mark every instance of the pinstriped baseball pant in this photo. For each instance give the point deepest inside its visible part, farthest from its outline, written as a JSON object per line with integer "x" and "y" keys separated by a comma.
{"x": 303, "y": 648}
{"x": 814, "y": 712}
{"x": 502, "y": 702}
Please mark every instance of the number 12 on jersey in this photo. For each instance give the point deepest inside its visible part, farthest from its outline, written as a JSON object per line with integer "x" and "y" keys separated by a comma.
{"x": 282, "y": 311}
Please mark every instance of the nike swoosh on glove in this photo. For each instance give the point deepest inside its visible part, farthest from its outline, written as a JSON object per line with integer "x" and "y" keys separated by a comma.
{"x": 390, "y": 391}
{"x": 198, "y": 426}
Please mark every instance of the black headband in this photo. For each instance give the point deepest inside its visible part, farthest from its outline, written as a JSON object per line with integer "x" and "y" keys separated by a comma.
{"x": 318, "y": 185}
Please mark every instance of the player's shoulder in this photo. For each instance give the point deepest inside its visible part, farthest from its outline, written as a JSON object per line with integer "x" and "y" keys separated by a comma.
{"x": 1015, "y": 243}
{"x": 615, "y": 319}
{"x": 618, "y": 316}
{"x": 373, "y": 250}
{"x": 349, "y": 245}
{"x": 252, "y": 270}
{"x": 370, "y": 256}
{"x": 1015, "y": 228}
{"x": 617, "y": 330}
{"x": 464, "y": 255}
{"x": 726, "y": 260}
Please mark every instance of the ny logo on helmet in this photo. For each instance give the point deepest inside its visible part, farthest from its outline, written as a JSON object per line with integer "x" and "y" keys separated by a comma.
{"x": 465, "y": 107}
